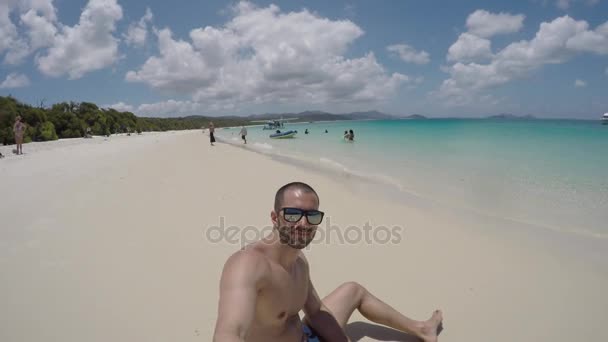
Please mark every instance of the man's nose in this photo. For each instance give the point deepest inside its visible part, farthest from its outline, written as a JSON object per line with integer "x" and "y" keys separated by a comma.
{"x": 302, "y": 222}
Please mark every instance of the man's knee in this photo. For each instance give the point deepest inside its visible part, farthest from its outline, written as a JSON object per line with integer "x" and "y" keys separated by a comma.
{"x": 352, "y": 288}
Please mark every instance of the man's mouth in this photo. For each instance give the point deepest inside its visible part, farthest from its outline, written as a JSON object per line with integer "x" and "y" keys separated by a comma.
{"x": 301, "y": 233}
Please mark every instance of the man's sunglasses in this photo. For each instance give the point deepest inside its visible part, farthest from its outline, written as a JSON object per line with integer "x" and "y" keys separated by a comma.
{"x": 295, "y": 214}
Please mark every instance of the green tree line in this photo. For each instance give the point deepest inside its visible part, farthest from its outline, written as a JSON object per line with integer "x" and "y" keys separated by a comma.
{"x": 73, "y": 120}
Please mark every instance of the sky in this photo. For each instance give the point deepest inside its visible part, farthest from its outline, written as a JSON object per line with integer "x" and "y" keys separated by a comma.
{"x": 547, "y": 58}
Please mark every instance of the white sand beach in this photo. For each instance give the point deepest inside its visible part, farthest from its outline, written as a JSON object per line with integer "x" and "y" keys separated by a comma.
{"x": 109, "y": 240}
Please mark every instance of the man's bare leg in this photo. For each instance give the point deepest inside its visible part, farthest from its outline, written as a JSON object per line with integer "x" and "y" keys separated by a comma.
{"x": 343, "y": 301}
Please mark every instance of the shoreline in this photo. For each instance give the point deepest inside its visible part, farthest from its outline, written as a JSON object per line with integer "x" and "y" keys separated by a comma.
{"x": 389, "y": 188}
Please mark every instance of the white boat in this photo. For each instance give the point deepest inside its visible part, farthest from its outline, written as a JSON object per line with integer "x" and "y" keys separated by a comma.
{"x": 605, "y": 119}
{"x": 283, "y": 135}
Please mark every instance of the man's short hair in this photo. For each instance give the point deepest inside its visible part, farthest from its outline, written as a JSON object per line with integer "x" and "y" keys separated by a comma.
{"x": 278, "y": 198}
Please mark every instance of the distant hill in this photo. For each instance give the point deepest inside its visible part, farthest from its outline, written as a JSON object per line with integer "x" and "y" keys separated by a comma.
{"x": 369, "y": 115}
{"x": 197, "y": 117}
{"x": 414, "y": 116}
{"x": 315, "y": 115}
{"x": 510, "y": 116}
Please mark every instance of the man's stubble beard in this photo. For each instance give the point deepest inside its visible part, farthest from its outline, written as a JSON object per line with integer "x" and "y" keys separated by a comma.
{"x": 286, "y": 239}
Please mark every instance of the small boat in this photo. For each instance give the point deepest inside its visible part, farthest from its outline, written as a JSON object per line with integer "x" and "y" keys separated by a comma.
{"x": 605, "y": 119}
{"x": 283, "y": 135}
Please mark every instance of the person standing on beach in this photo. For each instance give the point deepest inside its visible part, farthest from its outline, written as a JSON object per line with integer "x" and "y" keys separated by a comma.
{"x": 211, "y": 133}
{"x": 351, "y": 135}
{"x": 265, "y": 285}
{"x": 19, "y": 130}
{"x": 243, "y": 134}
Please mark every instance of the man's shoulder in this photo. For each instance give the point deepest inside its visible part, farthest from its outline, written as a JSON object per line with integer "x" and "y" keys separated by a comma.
{"x": 245, "y": 268}
{"x": 247, "y": 260}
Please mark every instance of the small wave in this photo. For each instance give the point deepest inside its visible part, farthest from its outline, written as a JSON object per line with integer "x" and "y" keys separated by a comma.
{"x": 324, "y": 165}
{"x": 374, "y": 178}
{"x": 333, "y": 164}
{"x": 264, "y": 146}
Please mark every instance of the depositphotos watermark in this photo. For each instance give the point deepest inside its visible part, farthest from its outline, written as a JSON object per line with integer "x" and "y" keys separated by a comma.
{"x": 326, "y": 233}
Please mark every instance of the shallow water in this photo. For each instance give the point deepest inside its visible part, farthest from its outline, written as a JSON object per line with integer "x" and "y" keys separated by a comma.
{"x": 550, "y": 173}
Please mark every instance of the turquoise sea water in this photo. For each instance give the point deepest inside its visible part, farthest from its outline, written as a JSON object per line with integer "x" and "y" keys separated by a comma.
{"x": 550, "y": 173}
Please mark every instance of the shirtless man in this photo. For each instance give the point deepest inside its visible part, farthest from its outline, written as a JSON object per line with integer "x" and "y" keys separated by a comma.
{"x": 243, "y": 134}
{"x": 265, "y": 285}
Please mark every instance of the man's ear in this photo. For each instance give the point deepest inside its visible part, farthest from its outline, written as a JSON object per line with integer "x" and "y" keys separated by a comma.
{"x": 274, "y": 217}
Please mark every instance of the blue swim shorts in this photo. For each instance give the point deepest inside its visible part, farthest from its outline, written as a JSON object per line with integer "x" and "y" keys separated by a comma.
{"x": 310, "y": 335}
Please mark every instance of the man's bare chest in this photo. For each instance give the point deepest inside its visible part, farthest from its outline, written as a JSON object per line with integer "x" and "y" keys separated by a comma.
{"x": 283, "y": 296}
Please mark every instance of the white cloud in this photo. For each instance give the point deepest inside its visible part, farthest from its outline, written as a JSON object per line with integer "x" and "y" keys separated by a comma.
{"x": 263, "y": 55}
{"x": 120, "y": 106}
{"x": 556, "y": 42}
{"x": 137, "y": 33}
{"x": 87, "y": 46}
{"x": 485, "y": 24}
{"x": 580, "y": 83}
{"x": 15, "y": 80}
{"x": 409, "y": 54}
{"x": 37, "y": 22}
{"x": 8, "y": 30}
{"x": 170, "y": 108}
{"x": 173, "y": 108}
{"x": 179, "y": 68}
{"x": 590, "y": 41}
{"x": 18, "y": 51}
{"x": 469, "y": 48}
{"x": 41, "y": 24}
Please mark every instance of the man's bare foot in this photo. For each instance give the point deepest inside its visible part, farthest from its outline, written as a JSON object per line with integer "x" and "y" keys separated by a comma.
{"x": 432, "y": 327}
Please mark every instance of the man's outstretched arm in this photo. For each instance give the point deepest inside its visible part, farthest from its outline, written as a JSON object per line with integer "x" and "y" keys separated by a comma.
{"x": 238, "y": 290}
